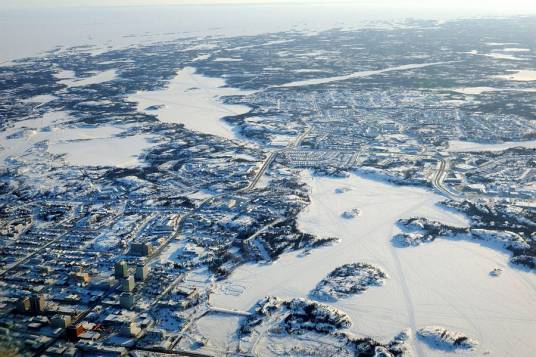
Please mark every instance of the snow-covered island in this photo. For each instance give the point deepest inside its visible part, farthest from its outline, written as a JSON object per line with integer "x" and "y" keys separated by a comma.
{"x": 297, "y": 316}
{"x": 347, "y": 280}
{"x": 521, "y": 243}
{"x": 445, "y": 339}
{"x": 304, "y": 327}
{"x": 353, "y": 213}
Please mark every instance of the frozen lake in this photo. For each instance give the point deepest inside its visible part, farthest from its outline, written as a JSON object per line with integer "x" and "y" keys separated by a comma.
{"x": 525, "y": 75}
{"x": 107, "y": 150}
{"x": 84, "y": 146}
{"x": 443, "y": 283}
{"x": 469, "y": 146}
{"x": 362, "y": 74}
{"x": 480, "y": 90}
{"x": 193, "y": 100}
{"x": 69, "y": 79}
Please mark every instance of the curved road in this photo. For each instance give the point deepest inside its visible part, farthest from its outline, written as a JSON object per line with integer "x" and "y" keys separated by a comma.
{"x": 439, "y": 178}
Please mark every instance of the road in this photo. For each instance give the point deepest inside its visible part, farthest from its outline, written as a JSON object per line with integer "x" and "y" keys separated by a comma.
{"x": 221, "y": 310}
{"x": 173, "y": 352}
{"x": 259, "y": 246}
{"x": 438, "y": 179}
{"x": 271, "y": 158}
{"x": 300, "y": 138}
{"x": 29, "y": 256}
{"x": 260, "y": 172}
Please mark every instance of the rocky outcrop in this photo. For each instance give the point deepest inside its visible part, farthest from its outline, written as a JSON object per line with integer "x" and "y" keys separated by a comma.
{"x": 443, "y": 338}
{"x": 347, "y": 280}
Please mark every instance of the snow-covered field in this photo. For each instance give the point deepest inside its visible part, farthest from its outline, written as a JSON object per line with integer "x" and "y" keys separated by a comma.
{"x": 474, "y": 90}
{"x": 220, "y": 330}
{"x": 193, "y": 100}
{"x": 445, "y": 283}
{"x": 515, "y": 49}
{"x": 469, "y": 146}
{"x": 39, "y": 99}
{"x": 15, "y": 141}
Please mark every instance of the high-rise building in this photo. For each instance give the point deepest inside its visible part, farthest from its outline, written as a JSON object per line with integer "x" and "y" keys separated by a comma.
{"x": 23, "y": 305}
{"x": 61, "y": 321}
{"x": 121, "y": 269}
{"x": 74, "y": 331}
{"x": 37, "y": 304}
{"x": 128, "y": 284}
{"x": 81, "y": 277}
{"x": 141, "y": 249}
{"x": 141, "y": 272}
{"x": 126, "y": 300}
{"x": 130, "y": 329}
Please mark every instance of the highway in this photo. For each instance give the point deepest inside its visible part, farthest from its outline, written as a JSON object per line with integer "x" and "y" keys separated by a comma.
{"x": 300, "y": 138}
{"x": 260, "y": 173}
{"x": 271, "y": 157}
{"x": 439, "y": 177}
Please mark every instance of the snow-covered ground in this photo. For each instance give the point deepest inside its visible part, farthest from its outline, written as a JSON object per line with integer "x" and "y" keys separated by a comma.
{"x": 474, "y": 90}
{"x": 520, "y": 76}
{"x": 220, "y": 331}
{"x": 445, "y": 283}
{"x": 86, "y": 146}
{"x": 103, "y": 151}
{"x": 361, "y": 74}
{"x": 193, "y": 100}
{"x": 15, "y": 141}
{"x": 227, "y": 59}
{"x": 469, "y": 146}
{"x": 40, "y": 99}
{"x": 480, "y": 90}
{"x": 515, "y": 49}
{"x": 69, "y": 79}
{"x": 502, "y": 56}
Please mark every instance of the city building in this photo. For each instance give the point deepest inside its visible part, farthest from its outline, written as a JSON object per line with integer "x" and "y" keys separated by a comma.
{"x": 37, "y": 304}
{"x": 128, "y": 284}
{"x": 142, "y": 271}
{"x": 81, "y": 277}
{"x": 23, "y": 305}
{"x": 130, "y": 329}
{"x": 121, "y": 269}
{"x": 61, "y": 321}
{"x": 141, "y": 249}
{"x": 126, "y": 300}
{"x": 74, "y": 332}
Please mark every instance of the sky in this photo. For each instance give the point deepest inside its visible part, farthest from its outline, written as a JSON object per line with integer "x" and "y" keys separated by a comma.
{"x": 518, "y": 6}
